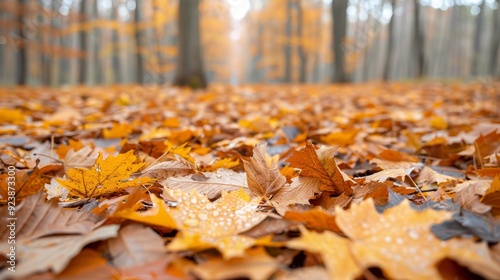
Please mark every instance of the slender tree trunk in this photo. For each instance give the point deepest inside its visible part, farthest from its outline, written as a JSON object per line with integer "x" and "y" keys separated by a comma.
{"x": 389, "y": 57}
{"x": 302, "y": 51}
{"x": 495, "y": 46}
{"x": 418, "y": 40}
{"x": 138, "y": 42}
{"x": 339, "y": 13}
{"x": 21, "y": 67}
{"x": 288, "y": 46}
{"x": 82, "y": 77}
{"x": 190, "y": 62}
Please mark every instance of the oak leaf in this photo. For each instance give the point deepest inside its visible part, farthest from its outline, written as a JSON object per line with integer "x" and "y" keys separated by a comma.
{"x": 396, "y": 240}
{"x": 264, "y": 177}
{"x": 106, "y": 176}
{"x": 321, "y": 164}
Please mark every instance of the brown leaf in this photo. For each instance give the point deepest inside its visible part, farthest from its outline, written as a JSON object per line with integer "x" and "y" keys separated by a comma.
{"x": 257, "y": 265}
{"x": 321, "y": 164}
{"x": 316, "y": 218}
{"x": 264, "y": 177}
{"x": 298, "y": 192}
{"x": 37, "y": 218}
{"x": 469, "y": 198}
{"x": 135, "y": 245}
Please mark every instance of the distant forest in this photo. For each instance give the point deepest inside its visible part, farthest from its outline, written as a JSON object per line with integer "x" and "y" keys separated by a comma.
{"x": 99, "y": 42}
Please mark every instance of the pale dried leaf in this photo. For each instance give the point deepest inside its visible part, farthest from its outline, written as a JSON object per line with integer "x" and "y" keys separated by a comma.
{"x": 263, "y": 179}
{"x": 37, "y": 218}
{"x": 389, "y": 173}
{"x": 216, "y": 182}
{"x": 135, "y": 245}
{"x": 53, "y": 253}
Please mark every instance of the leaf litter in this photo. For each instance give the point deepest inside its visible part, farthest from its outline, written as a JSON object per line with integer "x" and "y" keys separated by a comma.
{"x": 397, "y": 181}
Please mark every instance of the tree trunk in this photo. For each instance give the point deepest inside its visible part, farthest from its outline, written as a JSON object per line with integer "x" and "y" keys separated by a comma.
{"x": 302, "y": 51}
{"x": 495, "y": 46}
{"x": 138, "y": 43}
{"x": 288, "y": 45}
{"x": 21, "y": 67}
{"x": 190, "y": 63}
{"x": 82, "y": 77}
{"x": 418, "y": 40}
{"x": 339, "y": 13}
{"x": 390, "y": 44}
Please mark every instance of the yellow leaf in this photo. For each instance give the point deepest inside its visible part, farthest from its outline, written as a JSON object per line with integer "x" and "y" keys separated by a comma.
{"x": 156, "y": 215}
{"x": 438, "y": 123}
{"x": 334, "y": 250}
{"x": 11, "y": 116}
{"x": 119, "y": 130}
{"x": 183, "y": 152}
{"x": 203, "y": 224}
{"x": 106, "y": 176}
{"x": 256, "y": 265}
{"x": 396, "y": 240}
{"x": 63, "y": 149}
{"x": 225, "y": 163}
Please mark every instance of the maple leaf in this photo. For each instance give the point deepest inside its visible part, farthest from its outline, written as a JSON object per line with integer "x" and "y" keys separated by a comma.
{"x": 321, "y": 164}
{"x": 256, "y": 265}
{"x": 334, "y": 250}
{"x": 106, "y": 176}
{"x": 396, "y": 240}
{"x": 264, "y": 177}
{"x": 203, "y": 224}
{"x": 135, "y": 245}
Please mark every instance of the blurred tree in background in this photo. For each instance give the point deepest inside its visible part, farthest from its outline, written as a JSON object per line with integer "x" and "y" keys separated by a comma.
{"x": 192, "y": 42}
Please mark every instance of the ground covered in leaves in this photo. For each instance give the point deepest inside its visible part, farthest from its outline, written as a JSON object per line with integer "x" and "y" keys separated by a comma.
{"x": 396, "y": 181}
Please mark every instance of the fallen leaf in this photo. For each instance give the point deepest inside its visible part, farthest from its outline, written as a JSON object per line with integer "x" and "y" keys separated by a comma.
{"x": 334, "y": 250}
{"x": 212, "y": 185}
{"x": 396, "y": 240}
{"x": 37, "y": 218}
{"x": 203, "y": 224}
{"x": 389, "y": 173}
{"x": 469, "y": 198}
{"x": 298, "y": 192}
{"x": 85, "y": 157}
{"x": 135, "y": 245}
{"x": 321, "y": 164}
{"x": 256, "y": 265}
{"x": 264, "y": 178}
{"x": 166, "y": 169}
{"x": 106, "y": 176}
{"x": 53, "y": 253}
{"x": 316, "y": 218}
{"x": 156, "y": 215}
{"x": 54, "y": 190}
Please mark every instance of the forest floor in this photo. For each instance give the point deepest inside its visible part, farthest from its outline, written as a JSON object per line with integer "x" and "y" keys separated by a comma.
{"x": 367, "y": 181}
